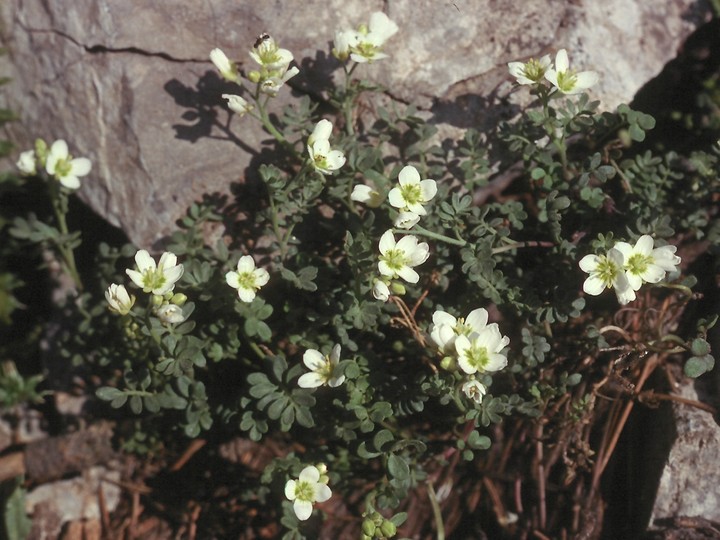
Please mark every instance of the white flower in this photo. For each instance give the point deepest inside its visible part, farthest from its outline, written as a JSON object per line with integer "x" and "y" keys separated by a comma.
{"x": 324, "y": 159}
{"x": 170, "y": 313}
{"x": 643, "y": 264}
{"x": 412, "y": 192}
{"x": 227, "y": 69}
{"x": 367, "y": 195}
{"x": 397, "y": 259}
{"x": 308, "y": 489}
{"x": 481, "y": 350}
{"x": 530, "y": 72}
{"x": 567, "y": 80}
{"x": 381, "y": 291}
{"x": 64, "y": 168}
{"x": 267, "y": 53}
{"x": 344, "y": 41}
{"x": 474, "y": 390}
{"x": 156, "y": 279}
{"x": 446, "y": 328}
{"x": 607, "y": 271}
{"x": 324, "y": 369}
{"x": 248, "y": 279}
{"x": 406, "y": 220}
{"x": 237, "y": 104}
{"x": 371, "y": 38}
{"x": 272, "y": 84}
{"x": 27, "y": 163}
{"x": 118, "y": 299}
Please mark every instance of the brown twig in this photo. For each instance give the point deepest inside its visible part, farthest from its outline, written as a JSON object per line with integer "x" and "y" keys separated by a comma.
{"x": 189, "y": 452}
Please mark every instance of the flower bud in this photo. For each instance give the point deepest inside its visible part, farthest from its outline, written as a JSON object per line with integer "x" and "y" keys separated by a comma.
{"x": 41, "y": 151}
{"x": 368, "y": 527}
{"x": 388, "y": 529}
{"x": 178, "y": 299}
{"x": 449, "y": 363}
{"x": 397, "y": 288}
{"x": 157, "y": 300}
{"x": 254, "y": 76}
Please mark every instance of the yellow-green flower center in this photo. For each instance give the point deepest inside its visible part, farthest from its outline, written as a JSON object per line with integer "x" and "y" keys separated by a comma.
{"x": 566, "y": 80}
{"x": 411, "y": 193}
{"x": 304, "y": 491}
{"x": 533, "y": 70}
{"x": 638, "y": 263}
{"x": 395, "y": 259}
{"x": 153, "y": 278}
{"x": 477, "y": 356}
{"x": 607, "y": 271}
{"x": 63, "y": 167}
{"x": 246, "y": 280}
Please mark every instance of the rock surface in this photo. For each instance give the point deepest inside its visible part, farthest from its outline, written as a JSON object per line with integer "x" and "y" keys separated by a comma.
{"x": 689, "y": 483}
{"x": 130, "y": 86}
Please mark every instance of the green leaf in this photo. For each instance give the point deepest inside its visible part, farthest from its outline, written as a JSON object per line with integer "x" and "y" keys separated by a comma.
{"x": 382, "y": 439}
{"x": 700, "y": 347}
{"x": 478, "y": 442}
{"x": 696, "y": 366}
{"x": 398, "y": 467}
{"x": 16, "y": 524}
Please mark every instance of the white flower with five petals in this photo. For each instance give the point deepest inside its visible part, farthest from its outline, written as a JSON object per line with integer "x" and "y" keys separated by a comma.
{"x": 530, "y": 72}
{"x": 269, "y": 55}
{"x": 643, "y": 264}
{"x": 248, "y": 279}
{"x": 565, "y": 79}
{"x": 309, "y": 488}
{"x": 481, "y": 351}
{"x": 323, "y": 369}
{"x": 397, "y": 259}
{"x": 156, "y": 279}
{"x": 412, "y": 192}
{"x": 606, "y": 271}
{"x": 370, "y": 39}
{"x": 446, "y": 328}
{"x": 64, "y": 168}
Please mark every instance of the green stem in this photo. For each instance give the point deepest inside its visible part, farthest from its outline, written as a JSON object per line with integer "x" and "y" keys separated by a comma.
{"x": 420, "y": 231}
{"x": 516, "y": 245}
{"x": 60, "y": 207}
{"x": 348, "y": 100}
{"x": 437, "y": 513}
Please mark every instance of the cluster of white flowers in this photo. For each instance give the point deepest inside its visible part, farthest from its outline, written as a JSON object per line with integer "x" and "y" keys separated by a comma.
{"x": 309, "y": 488}
{"x": 471, "y": 343}
{"x": 397, "y": 259}
{"x": 365, "y": 44}
{"x": 57, "y": 162}
{"x": 273, "y": 73}
{"x": 560, "y": 75}
{"x": 158, "y": 279}
{"x": 323, "y": 158}
{"x": 408, "y": 197}
{"x": 625, "y": 268}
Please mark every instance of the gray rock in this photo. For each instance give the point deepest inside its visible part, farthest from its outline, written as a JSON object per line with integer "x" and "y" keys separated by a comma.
{"x": 129, "y": 84}
{"x": 689, "y": 483}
